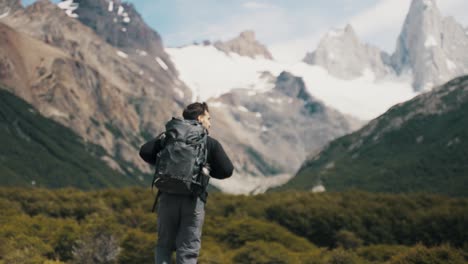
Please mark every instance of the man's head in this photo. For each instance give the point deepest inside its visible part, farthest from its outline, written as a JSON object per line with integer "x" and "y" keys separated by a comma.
{"x": 198, "y": 111}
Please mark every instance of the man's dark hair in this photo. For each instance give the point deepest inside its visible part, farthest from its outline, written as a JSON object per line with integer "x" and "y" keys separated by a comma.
{"x": 192, "y": 111}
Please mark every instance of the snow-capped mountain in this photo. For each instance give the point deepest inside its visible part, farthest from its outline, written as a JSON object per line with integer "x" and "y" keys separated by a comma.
{"x": 245, "y": 45}
{"x": 344, "y": 56}
{"x": 431, "y": 50}
{"x": 262, "y": 121}
{"x": 433, "y": 47}
{"x": 115, "y": 94}
{"x": 271, "y": 130}
{"x": 211, "y": 73}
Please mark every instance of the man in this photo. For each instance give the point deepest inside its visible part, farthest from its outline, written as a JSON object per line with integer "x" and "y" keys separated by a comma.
{"x": 181, "y": 217}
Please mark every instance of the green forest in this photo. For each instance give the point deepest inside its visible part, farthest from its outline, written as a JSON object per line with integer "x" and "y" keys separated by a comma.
{"x": 117, "y": 226}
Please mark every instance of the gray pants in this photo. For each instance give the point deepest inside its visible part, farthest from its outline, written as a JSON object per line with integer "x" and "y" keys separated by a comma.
{"x": 180, "y": 222}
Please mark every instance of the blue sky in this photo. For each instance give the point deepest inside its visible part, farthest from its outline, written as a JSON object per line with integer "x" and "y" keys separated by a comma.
{"x": 288, "y": 27}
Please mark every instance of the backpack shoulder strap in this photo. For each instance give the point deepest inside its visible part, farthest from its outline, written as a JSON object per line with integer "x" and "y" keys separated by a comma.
{"x": 156, "y": 201}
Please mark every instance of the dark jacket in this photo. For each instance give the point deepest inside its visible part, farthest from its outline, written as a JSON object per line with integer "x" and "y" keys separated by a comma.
{"x": 221, "y": 165}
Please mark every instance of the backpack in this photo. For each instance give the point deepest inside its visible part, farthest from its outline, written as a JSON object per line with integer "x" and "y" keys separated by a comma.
{"x": 180, "y": 162}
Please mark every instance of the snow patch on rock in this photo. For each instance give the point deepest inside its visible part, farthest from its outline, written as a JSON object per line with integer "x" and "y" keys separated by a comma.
{"x": 430, "y": 42}
{"x": 111, "y": 6}
{"x": 5, "y": 14}
{"x": 69, "y": 6}
{"x": 122, "y": 54}
{"x": 161, "y": 63}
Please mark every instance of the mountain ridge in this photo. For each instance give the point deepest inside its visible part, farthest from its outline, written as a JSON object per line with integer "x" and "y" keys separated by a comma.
{"x": 38, "y": 152}
{"x": 419, "y": 145}
{"x": 430, "y": 48}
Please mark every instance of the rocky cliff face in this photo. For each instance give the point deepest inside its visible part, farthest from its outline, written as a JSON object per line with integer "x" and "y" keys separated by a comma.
{"x": 432, "y": 47}
{"x": 117, "y": 93}
{"x": 120, "y": 25}
{"x": 8, "y": 7}
{"x": 245, "y": 45}
{"x": 70, "y": 74}
{"x": 271, "y": 131}
{"x": 344, "y": 56}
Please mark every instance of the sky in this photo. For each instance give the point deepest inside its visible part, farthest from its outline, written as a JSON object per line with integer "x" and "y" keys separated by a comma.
{"x": 289, "y": 28}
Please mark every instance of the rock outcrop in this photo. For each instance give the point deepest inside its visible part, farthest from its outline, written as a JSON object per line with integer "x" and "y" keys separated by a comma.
{"x": 430, "y": 46}
{"x": 245, "y": 45}
{"x": 69, "y": 73}
{"x": 344, "y": 56}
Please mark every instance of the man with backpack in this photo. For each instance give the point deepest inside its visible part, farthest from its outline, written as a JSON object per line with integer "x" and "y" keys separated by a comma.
{"x": 185, "y": 158}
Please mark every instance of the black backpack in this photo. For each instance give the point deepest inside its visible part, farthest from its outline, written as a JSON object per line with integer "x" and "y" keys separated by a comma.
{"x": 180, "y": 162}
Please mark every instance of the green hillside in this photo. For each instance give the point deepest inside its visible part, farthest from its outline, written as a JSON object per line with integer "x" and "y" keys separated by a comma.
{"x": 417, "y": 146}
{"x": 41, "y": 152}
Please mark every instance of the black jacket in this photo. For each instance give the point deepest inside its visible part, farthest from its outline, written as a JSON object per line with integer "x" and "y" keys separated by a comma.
{"x": 221, "y": 165}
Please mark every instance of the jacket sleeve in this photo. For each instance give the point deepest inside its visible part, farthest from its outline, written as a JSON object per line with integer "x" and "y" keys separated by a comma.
{"x": 221, "y": 165}
{"x": 149, "y": 151}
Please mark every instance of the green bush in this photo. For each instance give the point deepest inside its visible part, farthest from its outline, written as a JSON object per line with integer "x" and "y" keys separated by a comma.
{"x": 260, "y": 252}
{"x": 423, "y": 255}
{"x": 380, "y": 253}
{"x": 117, "y": 226}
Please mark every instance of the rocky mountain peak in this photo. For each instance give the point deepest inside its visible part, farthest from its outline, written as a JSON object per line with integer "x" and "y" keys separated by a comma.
{"x": 41, "y": 6}
{"x": 121, "y": 26}
{"x": 248, "y": 36}
{"x": 294, "y": 87}
{"x": 342, "y": 34}
{"x": 245, "y": 44}
{"x": 291, "y": 86}
{"x": 349, "y": 29}
{"x": 430, "y": 46}
{"x": 425, "y": 4}
{"x": 72, "y": 73}
{"x": 266, "y": 117}
{"x": 343, "y": 55}
{"x": 7, "y": 7}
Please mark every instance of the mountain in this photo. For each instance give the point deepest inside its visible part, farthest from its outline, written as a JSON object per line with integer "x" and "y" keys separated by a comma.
{"x": 37, "y": 151}
{"x": 420, "y": 145}
{"x": 245, "y": 45}
{"x": 344, "y": 56}
{"x": 69, "y": 73}
{"x": 431, "y": 46}
{"x": 9, "y": 6}
{"x": 210, "y": 73}
{"x": 269, "y": 132}
{"x": 120, "y": 25}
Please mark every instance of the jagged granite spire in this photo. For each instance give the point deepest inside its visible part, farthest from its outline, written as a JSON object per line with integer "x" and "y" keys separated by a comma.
{"x": 432, "y": 47}
{"x": 344, "y": 56}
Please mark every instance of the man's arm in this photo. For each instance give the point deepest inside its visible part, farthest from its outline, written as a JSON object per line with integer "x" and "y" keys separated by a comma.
{"x": 221, "y": 165}
{"x": 149, "y": 150}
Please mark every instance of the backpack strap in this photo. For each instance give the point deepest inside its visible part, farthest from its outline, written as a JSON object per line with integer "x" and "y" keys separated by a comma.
{"x": 160, "y": 136}
{"x": 156, "y": 201}
{"x": 204, "y": 195}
